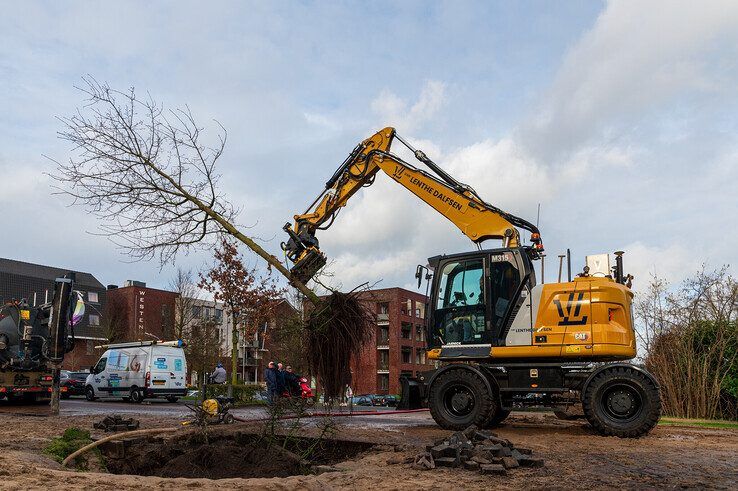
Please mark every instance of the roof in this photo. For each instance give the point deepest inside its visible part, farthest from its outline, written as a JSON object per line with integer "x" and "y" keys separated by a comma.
{"x": 21, "y": 268}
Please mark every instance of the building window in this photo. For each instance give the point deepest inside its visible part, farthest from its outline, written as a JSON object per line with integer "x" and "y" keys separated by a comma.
{"x": 420, "y": 356}
{"x": 384, "y": 308}
{"x": 407, "y": 307}
{"x": 196, "y": 311}
{"x": 206, "y": 313}
{"x": 407, "y": 356}
{"x": 418, "y": 333}
{"x": 407, "y": 330}
{"x": 219, "y": 316}
{"x": 94, "y": 320}
{"x": 383, "y": 381}
{"x": 420, "y": 310}
{"x": 92, "y": 297}
{"x": 90, "y": 347}
{"x": 383, "y": 335}
{"x": 383, "y": 363}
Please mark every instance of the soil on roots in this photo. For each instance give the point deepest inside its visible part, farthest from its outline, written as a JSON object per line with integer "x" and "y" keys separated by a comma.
{"x": 222, "y": 457}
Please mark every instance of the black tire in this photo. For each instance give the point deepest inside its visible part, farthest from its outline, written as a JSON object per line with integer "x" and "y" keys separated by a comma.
{"x": 622, "y": 401}
{"x": 228, "y": 419}
{"x": 459, "y": 398}
{"x": 498, "y": 417}
{"x": 90, "y": 393}
{"x": 172, "y": 398}
{"x": 136, "y": 395}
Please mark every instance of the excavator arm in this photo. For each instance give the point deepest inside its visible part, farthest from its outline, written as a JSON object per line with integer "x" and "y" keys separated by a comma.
{"x": 456, "y": 201}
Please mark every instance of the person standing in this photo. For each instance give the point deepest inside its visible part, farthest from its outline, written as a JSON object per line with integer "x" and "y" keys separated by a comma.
{"x": 271, "y": 375}
{"x": 292, "y": 381}
{"x": 281, "y": 385}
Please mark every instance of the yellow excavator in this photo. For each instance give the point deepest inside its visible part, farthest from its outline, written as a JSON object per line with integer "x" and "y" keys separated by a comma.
{"x": 504, "y": 341}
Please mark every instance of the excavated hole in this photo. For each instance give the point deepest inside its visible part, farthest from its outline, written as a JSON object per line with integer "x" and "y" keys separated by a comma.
{"x": 220, "y": 457}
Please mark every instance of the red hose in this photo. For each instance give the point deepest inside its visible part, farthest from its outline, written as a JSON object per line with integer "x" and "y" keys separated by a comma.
{"x": 339, "y": 414}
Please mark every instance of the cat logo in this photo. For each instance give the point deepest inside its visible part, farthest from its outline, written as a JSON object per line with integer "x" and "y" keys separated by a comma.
{"x": 570, "y": 312}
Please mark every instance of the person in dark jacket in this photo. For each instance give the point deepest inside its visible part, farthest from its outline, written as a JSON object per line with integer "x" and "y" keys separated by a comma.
{"x": 281, "y": 382}
{"x": 271, "y": 375}
{"x": 292, "y": 381}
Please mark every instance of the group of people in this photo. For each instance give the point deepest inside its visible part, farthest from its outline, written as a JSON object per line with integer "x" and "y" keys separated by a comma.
{"x": 281, "y": 381}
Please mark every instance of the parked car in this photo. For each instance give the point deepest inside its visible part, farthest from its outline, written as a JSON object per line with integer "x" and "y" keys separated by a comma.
{"x": 390, "y": 400}
{"x": 364, "y": 400}
{"x": 74, "y": 382}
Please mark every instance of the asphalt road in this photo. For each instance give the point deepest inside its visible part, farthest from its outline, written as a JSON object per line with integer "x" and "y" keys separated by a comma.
{"x": 79, "y": 406}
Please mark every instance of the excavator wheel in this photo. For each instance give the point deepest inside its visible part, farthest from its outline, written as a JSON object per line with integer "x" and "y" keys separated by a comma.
{"x": 622, "y": 401}
{"x": 499, "y": 415}
{"x": 459, "y": 398}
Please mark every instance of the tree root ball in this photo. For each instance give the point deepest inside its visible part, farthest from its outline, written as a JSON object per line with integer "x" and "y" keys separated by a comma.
{"x": 337, "y": 329}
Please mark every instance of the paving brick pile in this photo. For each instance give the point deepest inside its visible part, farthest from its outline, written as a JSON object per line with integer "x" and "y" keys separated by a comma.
{"x": 476, "y": 450}
{"x": 116, "y": 422}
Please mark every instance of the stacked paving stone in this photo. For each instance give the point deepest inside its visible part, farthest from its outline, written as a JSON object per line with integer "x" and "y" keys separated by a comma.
{"x": 116, "y": 422}
{"x": 476, "y": 450}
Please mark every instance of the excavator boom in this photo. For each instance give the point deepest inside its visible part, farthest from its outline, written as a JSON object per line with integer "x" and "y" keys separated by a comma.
{"x": 458, "y": 202}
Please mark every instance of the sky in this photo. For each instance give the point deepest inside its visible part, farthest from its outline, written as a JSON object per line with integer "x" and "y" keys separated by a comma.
{"x": 618, "y": 118}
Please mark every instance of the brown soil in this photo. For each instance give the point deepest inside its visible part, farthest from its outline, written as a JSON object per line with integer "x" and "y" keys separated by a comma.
{"x": 669, "y": 457}
{"x": 227, "y": 454}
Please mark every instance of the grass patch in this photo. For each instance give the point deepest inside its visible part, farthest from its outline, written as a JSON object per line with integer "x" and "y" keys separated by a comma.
{"x": 72, "y": 440}
{"x": 704, "y": 423}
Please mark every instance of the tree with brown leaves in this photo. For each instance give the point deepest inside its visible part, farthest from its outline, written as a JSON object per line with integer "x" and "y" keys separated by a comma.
{"x": 248, "y": 298}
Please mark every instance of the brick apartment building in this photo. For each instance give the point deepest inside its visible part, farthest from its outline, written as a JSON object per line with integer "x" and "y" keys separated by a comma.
{"x": 143, "y": 313}
{"x": 398, "y": 346}
{"x": 35, "y": 283}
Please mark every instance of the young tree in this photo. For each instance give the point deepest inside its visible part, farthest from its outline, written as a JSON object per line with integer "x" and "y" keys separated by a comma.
{"x": 189, "y": 294}
{"x": 148, "y": 176}
{"x": 248, "y": 298}
{"x": 203, "y": 346}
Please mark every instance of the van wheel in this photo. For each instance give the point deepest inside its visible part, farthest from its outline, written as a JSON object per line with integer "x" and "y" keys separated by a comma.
{"x": 136, "y": 395}
{"x": 90, "y": 393}
{"x": 172, "y": 398}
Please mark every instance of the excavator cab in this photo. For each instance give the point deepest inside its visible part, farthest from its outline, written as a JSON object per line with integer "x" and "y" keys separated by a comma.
{"x": 475, "y": 297}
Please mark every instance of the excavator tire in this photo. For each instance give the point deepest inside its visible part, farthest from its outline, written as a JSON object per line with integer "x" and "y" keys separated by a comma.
{"x": 498, "y": 417}
{"x": 622, "y": 401}
{"x": 459, "y": 398}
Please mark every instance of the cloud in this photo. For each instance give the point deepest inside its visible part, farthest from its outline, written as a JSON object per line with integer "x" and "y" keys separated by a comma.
{"x": 391, "y": 108}
{"x": 636, "y": 57}
{"x": 590, "y": 129}
{"x": 673, "y": 262}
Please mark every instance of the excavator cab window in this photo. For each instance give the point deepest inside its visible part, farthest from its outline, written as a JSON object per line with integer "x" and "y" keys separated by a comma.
{"x": 460, "y": 316}
{"x": 504, "y": 280}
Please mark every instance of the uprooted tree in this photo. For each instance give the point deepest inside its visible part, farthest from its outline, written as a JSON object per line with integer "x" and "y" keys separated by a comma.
{"x": 249, "y": 299}
{"x": 151, "y": 179}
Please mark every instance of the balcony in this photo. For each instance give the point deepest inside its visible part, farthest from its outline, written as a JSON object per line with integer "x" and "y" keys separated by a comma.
{"x": 383, "y": 345}
{"x": 250, "y": 362}
{"x": 383, "y": 318}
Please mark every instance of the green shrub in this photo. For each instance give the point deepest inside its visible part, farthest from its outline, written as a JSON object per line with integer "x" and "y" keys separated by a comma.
{"x": 242, "y": 393}
{"x": 71, "y": 440}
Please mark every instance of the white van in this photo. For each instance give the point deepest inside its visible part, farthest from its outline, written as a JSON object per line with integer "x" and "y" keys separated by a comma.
{"x": 137, "y": 370}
